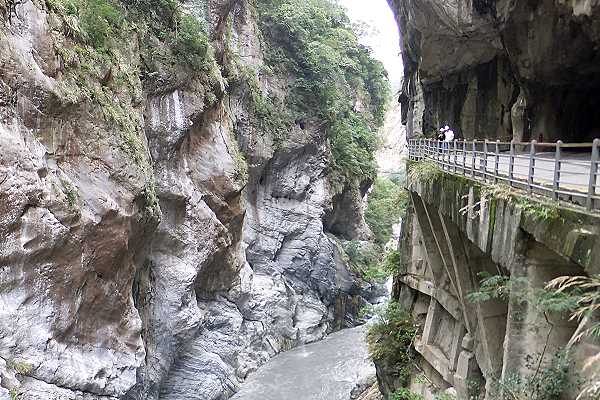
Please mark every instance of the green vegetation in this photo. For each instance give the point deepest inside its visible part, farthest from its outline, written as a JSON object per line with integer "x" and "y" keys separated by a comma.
{"x": 20, "y": 367}
{"x": 269, "y": 114}
{"x": 70, "y": 192}
{"x": 14, "y": 395}
{"x": 150, "y": 204}
{"x": 538, "y": 209}
{"x": 546, "y": 381}
{"x": 93, "y": 39}
{"x": 576, "y": 295}
{"x": 423, "y": 171}
{"x": 584, "y": 295}
{"x": 336, "y": 81}
{"x": 94, "y": 22}
{"x": 386, "y": 203}
{"x": 371, "y": 261}
{"x": 516, "y": 290}
{"x": 390, "y": 340}
{"x": 405, "y": 394}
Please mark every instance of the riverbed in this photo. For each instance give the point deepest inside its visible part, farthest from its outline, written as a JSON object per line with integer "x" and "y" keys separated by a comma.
{"x": 334, "y": 368}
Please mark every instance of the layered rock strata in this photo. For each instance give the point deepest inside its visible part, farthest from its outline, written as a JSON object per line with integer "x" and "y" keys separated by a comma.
{"x": 166, "y": 260}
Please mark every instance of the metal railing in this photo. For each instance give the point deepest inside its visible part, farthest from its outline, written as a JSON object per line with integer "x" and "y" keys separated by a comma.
{"x": 562, "y": 171}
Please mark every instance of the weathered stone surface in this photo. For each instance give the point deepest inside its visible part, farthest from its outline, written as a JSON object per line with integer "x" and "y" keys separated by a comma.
{"x": 105, "y": 294}
{"x": 500, "y": 69}
{"x": 467, "y": 346}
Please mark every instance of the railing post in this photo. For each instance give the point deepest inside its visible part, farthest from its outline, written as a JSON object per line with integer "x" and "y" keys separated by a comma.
{"x": 441, "y": 153}
{"x": 593, "y": 174}
{"x": 473, "y": 159}
{"x": 511, "y": 163}
{"x": 531, "y": 171}
{"x": 483, "y": 163}
{"x": 556, "y": 180}
{"x": 455, "y": 153}
{"x": 464, "y": 153}
{"x": 497, "y": 161}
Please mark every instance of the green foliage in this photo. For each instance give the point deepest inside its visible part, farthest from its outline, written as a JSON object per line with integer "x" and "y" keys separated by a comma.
{"x": 386, "y": 203}
{"x": 70, "y": 192}
{"x": 371, "y": 261}
{"x": 390, "y": 341}
{"x": 405, "y": 394}
{"x": 191, "y": 43}
{"x": 268, "y": 116}
{"x": 365, "y": 258}
{"x": 150, "y": 203}
{"x": 491, "y": 287}
{"x": 391, "y": 262}
{"x": 584, "y": 295}
{"x": 423, "y": 171}
{"x": 544, "y": 381}
{"x": 20, "y": 367}
{"x": 93, "y": 21}
{"x": 336, "y": 79}
{"x": 95, "y": 46}
{"x": 538, "y": 209}
{"x": 516, "y": 289}
{"x": 14, "y": 395}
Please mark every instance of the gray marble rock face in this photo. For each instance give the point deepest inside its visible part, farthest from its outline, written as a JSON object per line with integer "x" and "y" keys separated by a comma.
{"x": 102, "y": 297}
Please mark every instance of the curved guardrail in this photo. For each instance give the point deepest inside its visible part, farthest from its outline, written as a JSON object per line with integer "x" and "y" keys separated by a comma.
{"x": 562, "y": 171}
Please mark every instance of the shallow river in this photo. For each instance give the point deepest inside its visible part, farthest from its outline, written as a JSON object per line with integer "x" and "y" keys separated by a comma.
{"x": 326, "y": 370}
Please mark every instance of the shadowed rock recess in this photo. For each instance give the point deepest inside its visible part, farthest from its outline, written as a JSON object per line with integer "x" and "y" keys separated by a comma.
{"x": 158, "y": 238}
{"x": 477, "y": 258}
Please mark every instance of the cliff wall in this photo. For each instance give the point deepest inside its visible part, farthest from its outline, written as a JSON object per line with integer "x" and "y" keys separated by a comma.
{"x": 500, "y": 69}
{"x": 157, "y": 241}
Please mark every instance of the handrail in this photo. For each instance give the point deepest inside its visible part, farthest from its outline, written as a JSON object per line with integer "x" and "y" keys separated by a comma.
{"x": 525, "y": 165}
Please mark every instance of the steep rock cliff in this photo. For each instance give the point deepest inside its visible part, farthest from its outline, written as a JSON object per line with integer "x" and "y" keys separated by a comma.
{"x": 156, "y": 241}
{"x": 500, "y": 69}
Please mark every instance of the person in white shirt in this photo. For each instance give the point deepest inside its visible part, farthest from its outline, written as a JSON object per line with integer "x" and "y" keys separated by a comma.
{"x": 449, "y": 135}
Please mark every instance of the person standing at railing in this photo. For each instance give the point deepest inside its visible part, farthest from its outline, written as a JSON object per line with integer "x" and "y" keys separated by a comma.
{"x": 448, "y": 135}
{"x": 448, "y": 138}
{"x": 441, "y": 136}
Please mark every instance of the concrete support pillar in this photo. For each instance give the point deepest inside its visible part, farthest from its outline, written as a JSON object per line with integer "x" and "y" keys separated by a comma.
{"x": 531, "y": 332}
{"x": 432, "y": 253}
{"x": 467, "y": 378}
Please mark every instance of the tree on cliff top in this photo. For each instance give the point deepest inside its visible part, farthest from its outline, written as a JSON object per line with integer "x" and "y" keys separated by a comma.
{"x": 335, "y": 79}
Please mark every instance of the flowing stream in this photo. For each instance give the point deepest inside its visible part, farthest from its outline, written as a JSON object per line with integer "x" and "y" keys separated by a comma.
{"x": 335, "y": 368}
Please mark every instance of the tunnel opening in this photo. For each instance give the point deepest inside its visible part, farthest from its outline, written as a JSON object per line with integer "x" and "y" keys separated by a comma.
{"x": 579, "y": 116}
{"x": 568, "y": 114}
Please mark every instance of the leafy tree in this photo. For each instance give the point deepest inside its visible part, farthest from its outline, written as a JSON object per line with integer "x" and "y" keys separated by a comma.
{"x": 385, "y": 205}
{"x": 335, "y": 79}
{"x": 390, "y": 341}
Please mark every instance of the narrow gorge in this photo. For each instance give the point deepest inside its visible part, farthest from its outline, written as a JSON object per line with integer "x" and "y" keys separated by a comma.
{"x": 208, "y": 199}
{"x": 177, "y": 182}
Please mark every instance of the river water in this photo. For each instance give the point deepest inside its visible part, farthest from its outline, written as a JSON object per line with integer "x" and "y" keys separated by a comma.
{"x": 326, "y": 370}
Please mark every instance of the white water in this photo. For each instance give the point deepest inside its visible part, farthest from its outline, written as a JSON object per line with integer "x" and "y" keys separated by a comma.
{"x": 326, "y": 370}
